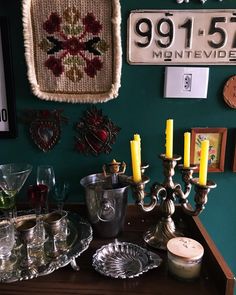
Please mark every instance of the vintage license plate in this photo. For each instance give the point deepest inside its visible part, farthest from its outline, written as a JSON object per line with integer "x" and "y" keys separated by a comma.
{"x": 182, "y": 37}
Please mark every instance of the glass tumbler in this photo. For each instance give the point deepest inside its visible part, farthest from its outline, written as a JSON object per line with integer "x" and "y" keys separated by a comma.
{"x": 7, "y": 242}
{"x": 7, "y": 237}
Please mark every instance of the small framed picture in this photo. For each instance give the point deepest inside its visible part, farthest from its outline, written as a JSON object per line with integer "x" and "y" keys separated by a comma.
{"x": 217, "y": 144}
{"x": 234, "y": 163}
{"x": 7, "y": 99}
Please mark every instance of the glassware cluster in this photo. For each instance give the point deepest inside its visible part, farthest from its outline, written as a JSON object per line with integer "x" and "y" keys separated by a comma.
{"x": 25, "y": 255}
{"x": 31, "y": 240}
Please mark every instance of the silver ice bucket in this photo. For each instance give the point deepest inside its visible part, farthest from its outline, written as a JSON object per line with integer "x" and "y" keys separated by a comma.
{"x": 106, "y": 203}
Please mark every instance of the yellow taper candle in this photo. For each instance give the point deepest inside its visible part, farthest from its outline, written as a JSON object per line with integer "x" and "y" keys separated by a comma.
{"x": 203, "y": 162}
{"x": 169, "y": 139}
{"x": 135, "y": 162}
{"x": 187, "y": 140}
{"x": 138, "y": 139}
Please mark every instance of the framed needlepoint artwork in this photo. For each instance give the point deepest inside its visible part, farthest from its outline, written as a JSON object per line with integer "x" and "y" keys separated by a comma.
{"x": 73, "y": 49}
{"x": 217, "y": 144}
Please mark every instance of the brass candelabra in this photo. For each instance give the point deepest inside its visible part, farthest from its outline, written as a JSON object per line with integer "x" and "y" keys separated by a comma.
{"x": 165, "y": 195}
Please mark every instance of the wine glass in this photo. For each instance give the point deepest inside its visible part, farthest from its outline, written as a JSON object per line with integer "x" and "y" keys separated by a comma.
{"x": 60, "y": 193}
{"x": 12, "y": 178}
{"x": 46, "y": 176}
{"x": 37, "y": 196}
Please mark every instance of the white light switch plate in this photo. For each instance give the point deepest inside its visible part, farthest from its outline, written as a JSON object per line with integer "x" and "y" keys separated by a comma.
{"x": 186, "y": 82}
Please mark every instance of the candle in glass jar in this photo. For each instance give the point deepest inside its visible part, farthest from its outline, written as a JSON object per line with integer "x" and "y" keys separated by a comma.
{"x": 187, "y": 144}
{"x": 169, "y": 139}
{"x": 184, "y": 258}
{"x": 135, "y": 161}
{"x": 203, "y": 162}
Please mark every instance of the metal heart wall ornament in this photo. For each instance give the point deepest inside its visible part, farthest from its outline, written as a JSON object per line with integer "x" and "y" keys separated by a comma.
{"x": 96, "y": 133}
{"x": 45, "y": 127}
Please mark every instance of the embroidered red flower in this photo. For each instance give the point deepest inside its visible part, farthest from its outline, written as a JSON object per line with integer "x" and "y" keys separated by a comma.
{"x": 73, "y": 45}
{"x": 55, "y": 65}
{"x": 70, "y": 39}
{"x": 53, "y": 24}
{"x": 93, "y": 66}
{"x": 91, "y": 24}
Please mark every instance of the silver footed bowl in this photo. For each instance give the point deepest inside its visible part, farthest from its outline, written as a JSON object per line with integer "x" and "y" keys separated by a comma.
{"x": 124, "y": 260}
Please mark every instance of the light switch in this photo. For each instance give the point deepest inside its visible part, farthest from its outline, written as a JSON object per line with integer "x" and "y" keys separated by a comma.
{"x": 186, "y": 82}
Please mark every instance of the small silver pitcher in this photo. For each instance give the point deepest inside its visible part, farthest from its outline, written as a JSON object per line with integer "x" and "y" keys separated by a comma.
{"x": 106, "y": 199}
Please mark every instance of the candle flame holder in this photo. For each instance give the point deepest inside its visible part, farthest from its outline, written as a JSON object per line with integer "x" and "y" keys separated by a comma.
{"x": 165, "y": 194}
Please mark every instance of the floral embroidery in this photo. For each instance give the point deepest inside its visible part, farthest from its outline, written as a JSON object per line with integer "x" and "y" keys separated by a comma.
{"x": 53, "y": 24}
{"x": 73, "y": 44}
{"x": 55, "y": 65}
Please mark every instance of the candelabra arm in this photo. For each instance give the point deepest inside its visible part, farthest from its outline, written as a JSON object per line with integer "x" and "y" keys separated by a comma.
{"x": 200, "y": 198}
{"x": 139, "y": 194}
{"x": 156, "y": 190}
{"x": 183, "y": 195}
{"x": 188, "y": 209}
{"x": 148, "y": 207}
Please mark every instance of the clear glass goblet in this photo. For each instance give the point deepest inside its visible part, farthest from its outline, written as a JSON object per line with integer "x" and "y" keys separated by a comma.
{"x": 46, "y": 176}
{"x": 12, "y": 178}
{"x": 37, "y": 196}
{"x": 60, "y": 193}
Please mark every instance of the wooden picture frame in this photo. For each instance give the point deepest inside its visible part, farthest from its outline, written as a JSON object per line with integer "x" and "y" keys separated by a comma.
{"x": 217, "y": 144}
{"x": 7, "y": 98}
{"x": 234, "y": 163}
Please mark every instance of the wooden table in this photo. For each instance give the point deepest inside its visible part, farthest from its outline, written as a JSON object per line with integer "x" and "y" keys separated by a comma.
{"x": 216, "y": 278}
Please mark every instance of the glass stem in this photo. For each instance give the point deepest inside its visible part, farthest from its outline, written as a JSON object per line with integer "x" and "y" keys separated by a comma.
{"x": 60, "y": 206}
{"x": 38, "y": 213}
{"x": 46, "y": 203}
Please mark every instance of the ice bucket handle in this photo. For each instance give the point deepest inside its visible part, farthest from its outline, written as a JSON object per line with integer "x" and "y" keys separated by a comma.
{"x": 107, "y": 211}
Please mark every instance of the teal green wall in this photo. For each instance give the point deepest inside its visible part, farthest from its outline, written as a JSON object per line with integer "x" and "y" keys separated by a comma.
{"x": 139, "y": 108}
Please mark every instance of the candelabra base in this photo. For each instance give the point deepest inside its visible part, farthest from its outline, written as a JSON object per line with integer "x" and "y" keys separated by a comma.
{"x": 158, "y": 236}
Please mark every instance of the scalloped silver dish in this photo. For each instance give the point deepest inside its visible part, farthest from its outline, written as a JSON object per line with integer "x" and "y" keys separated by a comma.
{"x": 78, "y": 241}
{"x": 124, "y": 260}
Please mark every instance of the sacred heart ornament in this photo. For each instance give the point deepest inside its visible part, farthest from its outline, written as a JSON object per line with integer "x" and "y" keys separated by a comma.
{"x": 45, "y": 134}
{"x": 45, "y": 127}
{"x": 96, "y": 133}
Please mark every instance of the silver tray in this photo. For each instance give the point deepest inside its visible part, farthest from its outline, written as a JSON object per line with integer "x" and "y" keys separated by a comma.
{"x": 124, "y": 260}
{"x": 78, "y": 241}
